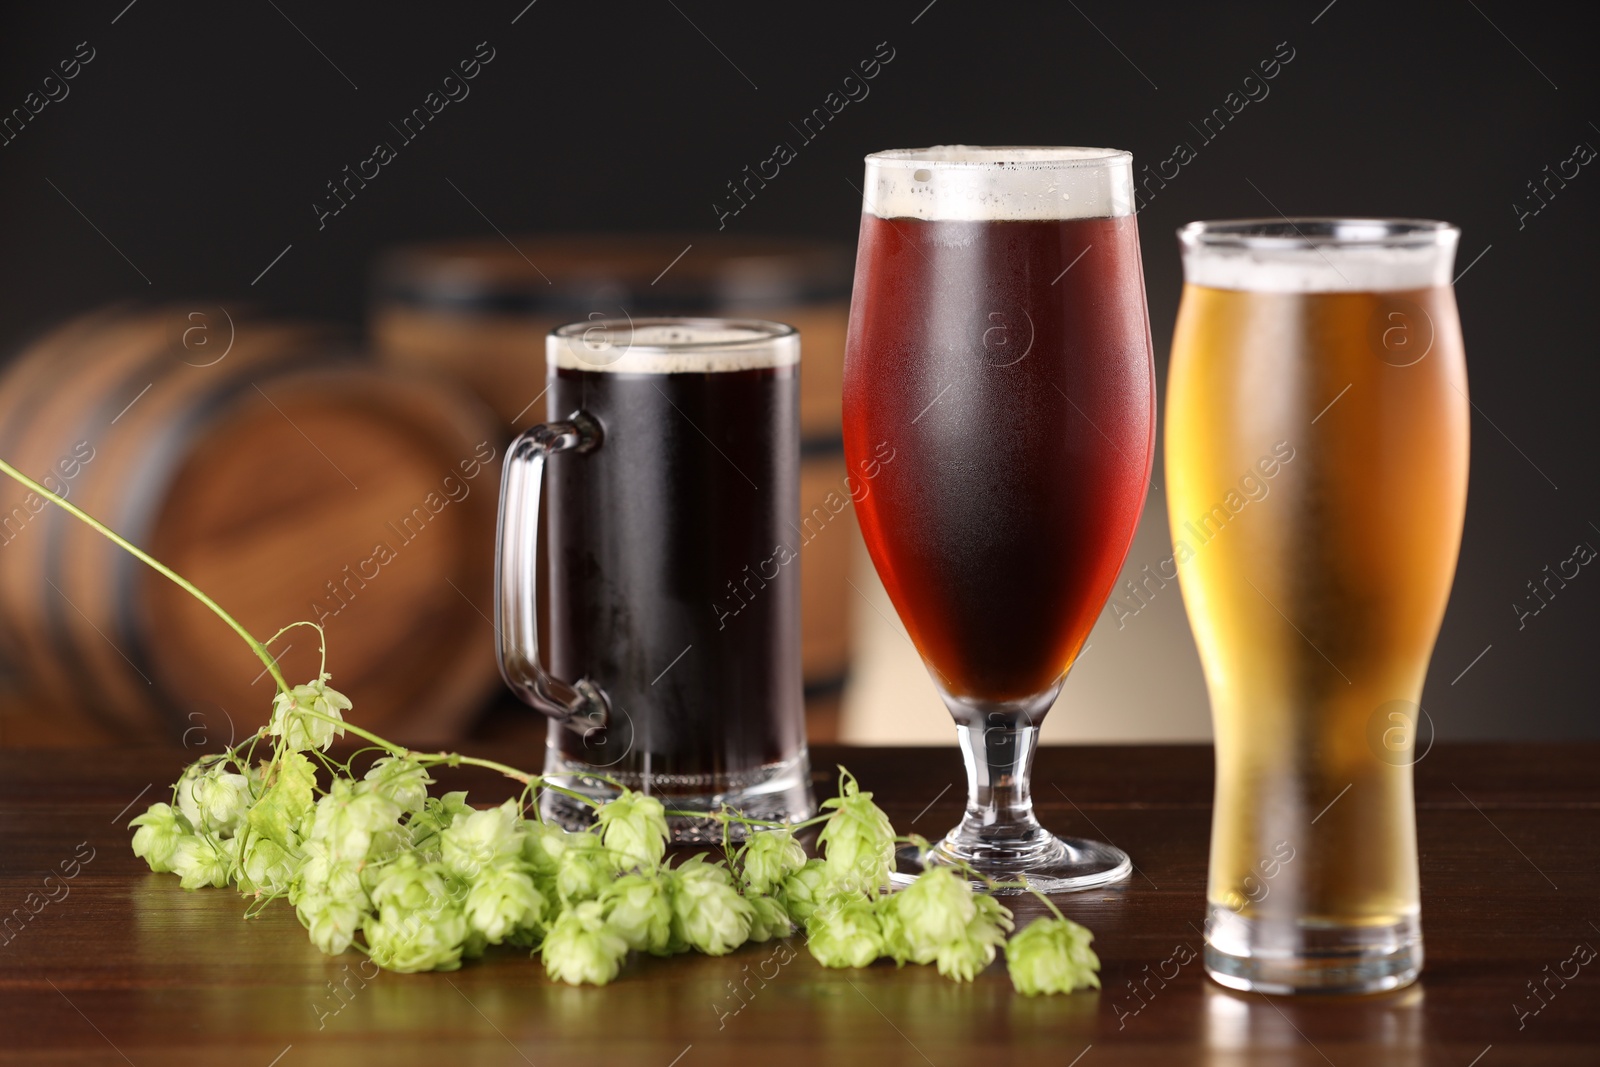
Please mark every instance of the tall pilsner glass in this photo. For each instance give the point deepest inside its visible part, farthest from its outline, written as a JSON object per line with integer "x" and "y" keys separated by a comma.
{"x": 999, "y": 414}
{"x": 1317, "y": 479}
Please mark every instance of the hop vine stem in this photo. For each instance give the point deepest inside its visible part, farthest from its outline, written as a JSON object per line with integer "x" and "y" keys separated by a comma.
{"x": 260, "y": 648}
{"x": 161, "y": 568}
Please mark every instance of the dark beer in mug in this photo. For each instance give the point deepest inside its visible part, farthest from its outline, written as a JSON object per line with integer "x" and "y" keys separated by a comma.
{"x": 674, "y": 581}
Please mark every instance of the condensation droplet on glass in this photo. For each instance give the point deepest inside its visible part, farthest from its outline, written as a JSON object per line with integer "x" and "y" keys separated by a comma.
{"x": 922, "y": 174}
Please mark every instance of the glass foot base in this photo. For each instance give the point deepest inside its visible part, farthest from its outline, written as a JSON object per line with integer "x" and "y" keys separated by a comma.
{"x": 1061, "y": 865}
{"x": 779, "y": 792}
{"x": 1281, "y": 956}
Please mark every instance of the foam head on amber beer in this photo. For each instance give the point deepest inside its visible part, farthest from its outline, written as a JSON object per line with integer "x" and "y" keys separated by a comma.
{"x": 961, "y": 182}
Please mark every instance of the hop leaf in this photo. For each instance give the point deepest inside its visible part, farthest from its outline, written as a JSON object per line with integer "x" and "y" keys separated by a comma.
{"x": 768, "y": 919}
{"x": 1052, "y": 956}
{"x": 804, "y": 890}
{"x": 858, "y": 840}
{"x": 634, "y": 826}
{"x": 478, "y": 841}
{"x": 708, "y": 913}
{"x": 161, "y": 828}
{"x": 280, "y": 814}
{"x": 503, "y": 900}
{"x": 582, "y": 948}
{"x": 639, "y": 910}
{"x": 845, "y": 932}
{"x": 300, "y": 731}
{"x": 770, "y": 856}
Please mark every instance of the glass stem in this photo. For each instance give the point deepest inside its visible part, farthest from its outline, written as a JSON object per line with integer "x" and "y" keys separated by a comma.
{"x": 999, "y": 759}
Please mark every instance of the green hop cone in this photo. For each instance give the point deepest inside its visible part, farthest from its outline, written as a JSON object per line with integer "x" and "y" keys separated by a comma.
{"x": 356, "y": 822}
{"x": 708, "y": 914}
{"x": 634, "y": 826}
{"x": 770, "y": 856}
{"x": 403, "y": 781}
{"x": 584, "y": 868}
{"x": 418, "y": 925}
{"x": 408, "y": 942}
{"x": 542, "y": 846}
{"x": 502, "y": 901}
{"x": 437, "y": 815}
{"x": 804, "y": 890}
{"x": 581, "y": 947}
{"x": 638, "y": 909}
{"x": 199, "y": 860}
{"x": 160, "y": 829}
{"x": 1052, "y": 956}
{"x": 769, "y": 918}
{"x": 478, "y": 841}
{"x": 324, "y": 874}
{"x": 858, "y": 840}
{"x": 299, "y": 731}
{"x": 211, "y": 798}
{"x": 331, "y": 923}
{"x": 963, "y": 957}
{"x": 931, "y": 911}
{"x": 263, "y": 866}
{"x": 329, "y": 899}
{"x": 223, "y": 798}
{"x": 845, "y": 932}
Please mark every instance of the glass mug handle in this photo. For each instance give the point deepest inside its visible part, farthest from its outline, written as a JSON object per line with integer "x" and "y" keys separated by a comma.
{"x": 580, "y": 705}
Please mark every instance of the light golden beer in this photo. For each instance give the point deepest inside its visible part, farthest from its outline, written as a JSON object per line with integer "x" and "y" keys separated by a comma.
{"x": 1316, "y": 450}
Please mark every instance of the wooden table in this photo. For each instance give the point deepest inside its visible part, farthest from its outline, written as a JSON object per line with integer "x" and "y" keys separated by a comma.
{"x": 128, "y": 968}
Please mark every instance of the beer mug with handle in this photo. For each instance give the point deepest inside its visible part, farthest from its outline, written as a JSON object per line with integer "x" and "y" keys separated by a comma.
{"x": 671, "y": 475}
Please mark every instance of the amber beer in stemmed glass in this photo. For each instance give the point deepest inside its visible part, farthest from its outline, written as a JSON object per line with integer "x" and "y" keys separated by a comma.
{"x": 999, "y": 346}
{"x": 1317, "y": 477}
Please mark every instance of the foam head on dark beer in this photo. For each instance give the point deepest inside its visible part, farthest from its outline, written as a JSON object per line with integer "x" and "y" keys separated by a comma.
{"x": 676, "y": 346}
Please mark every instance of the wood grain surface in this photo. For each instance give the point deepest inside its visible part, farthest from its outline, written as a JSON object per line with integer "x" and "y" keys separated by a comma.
{"x": 125, "y": 967}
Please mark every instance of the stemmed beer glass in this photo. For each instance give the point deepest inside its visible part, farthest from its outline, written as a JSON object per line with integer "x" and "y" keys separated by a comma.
{"x": 999, "y": 351}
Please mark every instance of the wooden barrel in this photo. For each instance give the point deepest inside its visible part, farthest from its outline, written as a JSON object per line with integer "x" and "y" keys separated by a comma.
{"x": 478, "y": 312}
{"x": 280, "y": 473}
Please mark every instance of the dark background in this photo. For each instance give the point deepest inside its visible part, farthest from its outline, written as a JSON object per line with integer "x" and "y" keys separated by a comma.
{"x": 199, "y": 136}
